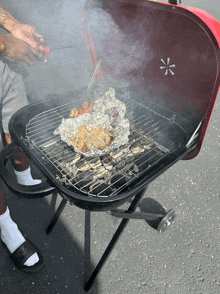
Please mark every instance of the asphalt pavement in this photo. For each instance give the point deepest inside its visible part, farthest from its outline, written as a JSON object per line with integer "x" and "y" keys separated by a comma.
{"x": 183, "y": 259}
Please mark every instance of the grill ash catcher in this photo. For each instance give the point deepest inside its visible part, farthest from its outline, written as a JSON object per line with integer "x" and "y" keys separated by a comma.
{"x": 163, "y": 62}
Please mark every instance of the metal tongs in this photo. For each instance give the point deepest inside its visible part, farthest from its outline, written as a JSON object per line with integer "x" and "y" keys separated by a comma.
{"x": 94, "y": 75}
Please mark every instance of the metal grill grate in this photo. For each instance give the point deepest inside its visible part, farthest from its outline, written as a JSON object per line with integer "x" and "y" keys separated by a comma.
{"x": 102, "y": 176}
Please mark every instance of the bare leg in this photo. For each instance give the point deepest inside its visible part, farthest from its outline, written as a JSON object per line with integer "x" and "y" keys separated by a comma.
{"x": 3, "y": 205}
{"x": 10, "y": 234}
{"x": 21, "y": 166}
{"x": 20, "y": 160}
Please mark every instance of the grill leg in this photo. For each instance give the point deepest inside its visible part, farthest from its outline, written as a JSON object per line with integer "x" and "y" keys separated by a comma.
{"x": 114, "y": 240}
{"x": 56, "y": 216}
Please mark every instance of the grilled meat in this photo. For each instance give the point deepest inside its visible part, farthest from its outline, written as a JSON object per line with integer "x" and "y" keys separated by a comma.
{"x": 97, "y": 137}
{"x": 74, "y": 113}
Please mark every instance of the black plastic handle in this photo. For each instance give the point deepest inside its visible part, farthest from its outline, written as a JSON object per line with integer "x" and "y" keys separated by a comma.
{"x": 34, "y": 191}
{"x": 173, "y": 2}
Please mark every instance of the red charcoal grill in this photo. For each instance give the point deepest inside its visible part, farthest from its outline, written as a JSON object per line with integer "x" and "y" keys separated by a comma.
{"x": 163, "y": 61}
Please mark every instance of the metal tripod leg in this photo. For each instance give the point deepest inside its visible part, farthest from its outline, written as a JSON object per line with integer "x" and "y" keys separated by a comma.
{"x": 114, "y": 240}
{"x": 56, "y": 216}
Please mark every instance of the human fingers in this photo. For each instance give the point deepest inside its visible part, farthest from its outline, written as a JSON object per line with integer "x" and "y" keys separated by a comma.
{"x": 30, "y": 41}
{"x": 38, "y": 54}
{"x": 23, "y": 63}
{"x": 44, "y": 50}
{"x": 18, "y": 61}
{"x": 31, "y": 56}
{"x": 36, "y": 35}
{"x": 25, "y": 57}
{"x": 27, "y": 60}
{"x": 30, "y": 53}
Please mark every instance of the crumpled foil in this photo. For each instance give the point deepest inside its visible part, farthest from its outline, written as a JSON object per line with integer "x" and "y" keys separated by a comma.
{"x": 108, "y": 102}
{"x": 109, "y": 114}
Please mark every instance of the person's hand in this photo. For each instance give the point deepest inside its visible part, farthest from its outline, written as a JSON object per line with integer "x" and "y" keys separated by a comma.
{"x": 18, "y": 51}
{"x": 28, "y": 34}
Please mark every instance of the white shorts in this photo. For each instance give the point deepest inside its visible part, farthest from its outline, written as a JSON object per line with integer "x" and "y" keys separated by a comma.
{"x": 12, "y": 93}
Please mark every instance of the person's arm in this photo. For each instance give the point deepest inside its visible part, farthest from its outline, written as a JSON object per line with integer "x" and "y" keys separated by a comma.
{"x": 6, "y": 21}
{"x": 24, "y": 32}
{"x": 16, "y": 50}
{"x": 19, "y": 46}
{"x": 2, "y": 43}
{"x": 8, "y": 14}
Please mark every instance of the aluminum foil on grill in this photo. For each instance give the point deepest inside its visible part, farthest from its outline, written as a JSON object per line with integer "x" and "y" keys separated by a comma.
{"x": 109, "y": 104}
{"x": 109, "y": 115}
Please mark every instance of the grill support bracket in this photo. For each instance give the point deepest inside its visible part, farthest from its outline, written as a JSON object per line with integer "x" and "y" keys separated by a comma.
{"x": 135, "y": 215}
{"x": 56, "y": 216}
{"x": 158, "y": 221}
{"x": 114, "y": 239}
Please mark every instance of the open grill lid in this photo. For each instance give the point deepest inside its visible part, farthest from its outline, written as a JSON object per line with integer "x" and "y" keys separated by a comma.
{"x": 165, "y": 51}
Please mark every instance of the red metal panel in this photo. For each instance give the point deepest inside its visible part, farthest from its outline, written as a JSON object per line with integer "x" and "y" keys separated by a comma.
{"x": 214, "y": 26}
{"x": 208, "y": 19}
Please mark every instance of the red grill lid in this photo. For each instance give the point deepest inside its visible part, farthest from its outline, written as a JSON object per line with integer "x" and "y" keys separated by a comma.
{"x": 169, "y": 52}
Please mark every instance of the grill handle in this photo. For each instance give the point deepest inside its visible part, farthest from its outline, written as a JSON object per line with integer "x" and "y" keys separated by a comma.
{"x": 34, "y": 191}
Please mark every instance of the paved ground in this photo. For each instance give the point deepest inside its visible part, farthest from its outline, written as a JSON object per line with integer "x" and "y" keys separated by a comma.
{"x": 184, "y": 259}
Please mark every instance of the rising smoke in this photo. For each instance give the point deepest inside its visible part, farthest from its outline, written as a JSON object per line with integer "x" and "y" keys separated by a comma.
{"x": 121, "y": 43}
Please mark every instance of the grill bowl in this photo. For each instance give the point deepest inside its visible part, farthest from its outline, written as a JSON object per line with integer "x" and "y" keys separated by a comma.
{"x": 167, "y": 134}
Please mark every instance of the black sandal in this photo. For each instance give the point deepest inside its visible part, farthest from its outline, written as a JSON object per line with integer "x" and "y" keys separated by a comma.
{"x": 21, "y": 255}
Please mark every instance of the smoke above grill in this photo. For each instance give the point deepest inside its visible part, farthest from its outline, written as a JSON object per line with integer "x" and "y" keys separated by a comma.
{"x": 123, "y": 49}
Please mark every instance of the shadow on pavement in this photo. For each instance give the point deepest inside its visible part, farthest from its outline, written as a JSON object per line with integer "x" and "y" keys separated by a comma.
{"x": 66, "y": 262}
